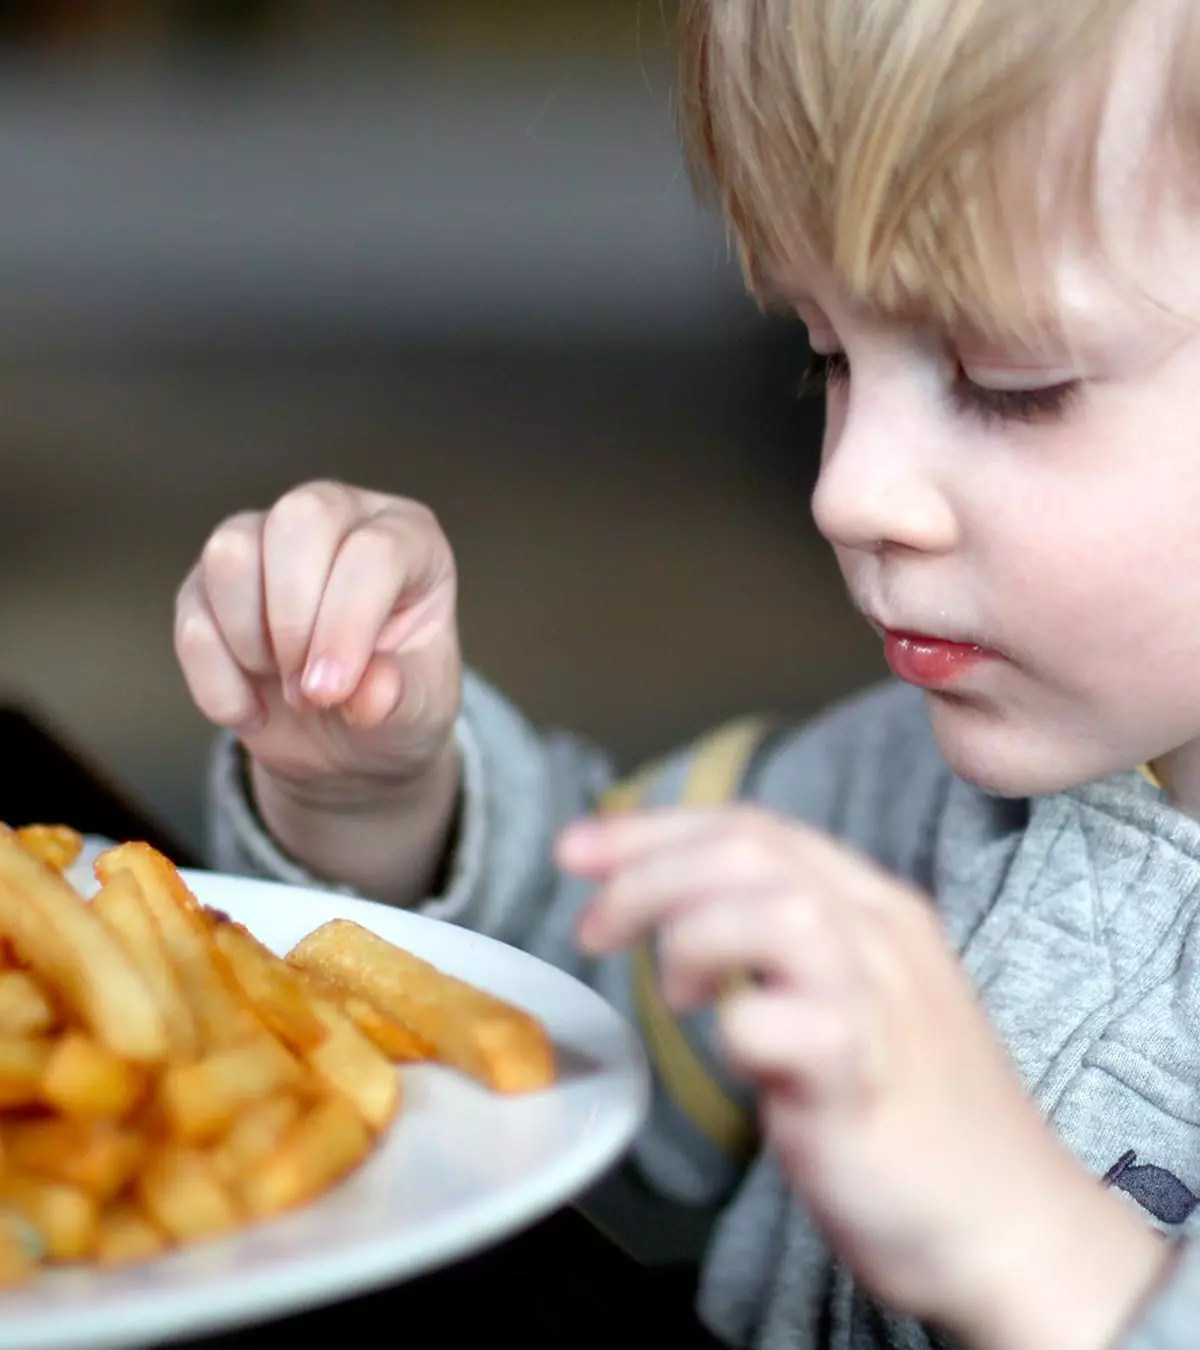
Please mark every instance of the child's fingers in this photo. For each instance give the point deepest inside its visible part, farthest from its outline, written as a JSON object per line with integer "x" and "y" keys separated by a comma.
{"x": 783, "y": 935}
{"x": 416, "y": 625}
{"x": 378, "y": 694}
{"x": 231, "y": 573}
{"x": 749, "y": 839}
{"x": 220, "y": 688}
{"x": 711, "y": 860}
{"x": 386, "y": 565}
{"x": 301, "y": 538}
{"x": 815, "y": 1047}
{"x": 598, "y": 845}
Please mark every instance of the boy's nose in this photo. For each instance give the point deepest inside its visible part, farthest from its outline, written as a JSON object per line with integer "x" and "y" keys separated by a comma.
{"x": 874, "y": 492}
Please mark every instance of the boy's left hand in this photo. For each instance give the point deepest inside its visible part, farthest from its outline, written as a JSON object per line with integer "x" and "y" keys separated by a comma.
{"x": 890, "y": 1104}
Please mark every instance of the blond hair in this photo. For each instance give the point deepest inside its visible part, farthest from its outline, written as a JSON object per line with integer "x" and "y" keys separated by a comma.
{"x": 881, "y": 136}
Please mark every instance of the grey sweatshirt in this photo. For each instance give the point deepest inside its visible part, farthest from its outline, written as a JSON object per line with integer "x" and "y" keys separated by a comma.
{"x": 1075, "y": 916}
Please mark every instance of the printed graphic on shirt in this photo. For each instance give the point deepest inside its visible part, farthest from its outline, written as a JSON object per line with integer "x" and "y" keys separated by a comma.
{"x": 1159, "y": 1192}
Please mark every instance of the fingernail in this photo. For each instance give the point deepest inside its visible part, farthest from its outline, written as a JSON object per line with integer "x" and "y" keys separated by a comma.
{"x": 323, "y": 679}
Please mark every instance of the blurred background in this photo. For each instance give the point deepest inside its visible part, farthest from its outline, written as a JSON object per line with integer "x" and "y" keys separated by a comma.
{"x": 440, "y": 247}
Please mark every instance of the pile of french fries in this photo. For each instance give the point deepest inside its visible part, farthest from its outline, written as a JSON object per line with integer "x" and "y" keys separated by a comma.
{"x": 165, "y": 1079}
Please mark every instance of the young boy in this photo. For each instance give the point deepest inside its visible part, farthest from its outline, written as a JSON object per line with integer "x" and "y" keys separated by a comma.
{"x": 968, "y": 903}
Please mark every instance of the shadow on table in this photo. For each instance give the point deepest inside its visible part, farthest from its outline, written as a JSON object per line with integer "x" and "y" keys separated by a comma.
{"x": 585, "y": 1294}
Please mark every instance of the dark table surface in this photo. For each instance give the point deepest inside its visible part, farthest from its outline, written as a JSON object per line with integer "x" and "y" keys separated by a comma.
{"x": 558, "y": 1283}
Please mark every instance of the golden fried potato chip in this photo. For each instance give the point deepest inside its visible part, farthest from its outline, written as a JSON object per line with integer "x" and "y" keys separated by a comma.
{"x": 166, "y": 1079}
{"x": 94, "y": 1156}
{"x": 348, "y": 1062}
{"x": 125, "y": 1237}
{"x": 318, "y": 1150}
{"x": 57, "y": 846}
{"x": 22, "y": 1063}
{"x": 180, "y": 1191}
{"x": 254, "y": 1135}
{"x": 25, "y": 1009}
{"x": 21, "y": 1247}
{"x": 276, "y": 990}
{"x": 83, "y": 1078}
{"x": 222, "y": 1012}
{"x": 64, "y": 1217}
{"x": 121, "y": 904}
{"x": 499, "y": 1045}
{"x": 400, "y": 1044}
{"x": 200, "y": 1100}
{"x": 60, "y": 938}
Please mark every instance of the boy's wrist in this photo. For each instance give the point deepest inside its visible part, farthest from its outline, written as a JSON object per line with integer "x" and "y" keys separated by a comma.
{"x": 386, "y": 839}
{"x": 359, "y": 795}
{"x": 1071, "y": 1269}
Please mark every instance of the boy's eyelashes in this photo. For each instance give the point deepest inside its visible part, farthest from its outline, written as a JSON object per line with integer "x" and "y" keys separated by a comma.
{"x": 823, "y": 369}
{"x": 1049, "y": 403}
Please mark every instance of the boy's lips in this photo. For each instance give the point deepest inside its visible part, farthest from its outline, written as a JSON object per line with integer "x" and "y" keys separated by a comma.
{"x": 931, "y": 662}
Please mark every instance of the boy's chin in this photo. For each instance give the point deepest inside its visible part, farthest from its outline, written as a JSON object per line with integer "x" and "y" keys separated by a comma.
{"x": 1000, "y": 756}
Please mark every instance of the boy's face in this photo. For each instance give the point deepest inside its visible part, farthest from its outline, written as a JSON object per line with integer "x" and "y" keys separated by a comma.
{"x": 1042, "y": 507}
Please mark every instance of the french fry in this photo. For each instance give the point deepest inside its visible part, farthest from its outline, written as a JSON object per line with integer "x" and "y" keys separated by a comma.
{"x": 125, "y": 1237}
{"x": 400, "y": 1044}
{"x": 181, "y": 1192}
{"x": 57, "y": 846}
{"x": 122, "y": 906}
{"x": 319, "y": 1149}
{"x": 20, "y": 1248}
{"x": 64, "y": 1217}
{"x": 83, "y": 1078}
{"x": 24, "y": 1008}
{"x": 350, "y": 1064}
{"x": 276, "y": 990}
{"x": 223, "y": 1014}
{"x": 94, "y": 1156}
{"x": 342, "y": 1056}
{"x": 164, "y": 1077}
{"x": 200, "y": 1100}
{"x": 254, "y": 1135}
{"x": 65, "y": 942}
{"x": 22, "y": 1063}
{"x": 499, "y": 1045}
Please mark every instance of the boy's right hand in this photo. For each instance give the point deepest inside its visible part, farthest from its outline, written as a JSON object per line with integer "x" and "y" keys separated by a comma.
{"x": 323, "y": 633}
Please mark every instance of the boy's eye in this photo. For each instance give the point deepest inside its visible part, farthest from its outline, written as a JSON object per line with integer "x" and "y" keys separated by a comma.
{"x": 1047, "y": 404}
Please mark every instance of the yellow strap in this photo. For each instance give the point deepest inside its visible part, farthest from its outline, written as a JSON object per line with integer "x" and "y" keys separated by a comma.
{"x": 626, "y": 795}
{"x": 718, "y": 765}
{"x": 1148, "y": 773}
{"x": 718, "y": 768}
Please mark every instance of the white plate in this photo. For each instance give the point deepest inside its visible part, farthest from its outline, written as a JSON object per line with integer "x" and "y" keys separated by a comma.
{"x": 459, "y": 1170}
